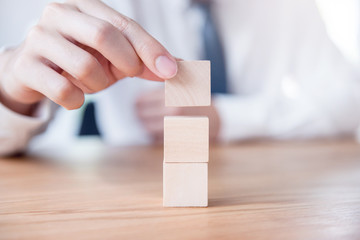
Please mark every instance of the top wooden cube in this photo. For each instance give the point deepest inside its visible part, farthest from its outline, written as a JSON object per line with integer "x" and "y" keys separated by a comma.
{"x": 191, "y": 86}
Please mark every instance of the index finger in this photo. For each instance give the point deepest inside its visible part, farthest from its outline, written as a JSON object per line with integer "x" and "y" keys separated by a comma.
{"x": 156, "y": 58}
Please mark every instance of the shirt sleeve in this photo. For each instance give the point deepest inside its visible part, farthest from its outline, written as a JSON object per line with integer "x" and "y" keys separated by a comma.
{"x": 16, "y": 130}
{"x": 328, "y": 108}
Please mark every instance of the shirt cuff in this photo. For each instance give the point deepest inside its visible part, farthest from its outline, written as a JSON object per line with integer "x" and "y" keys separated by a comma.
{"x": 16, "y": 130}
{"x": 241, "y": 117}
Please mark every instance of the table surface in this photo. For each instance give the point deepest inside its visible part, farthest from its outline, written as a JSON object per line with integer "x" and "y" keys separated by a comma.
{"x": 257, "y": 190}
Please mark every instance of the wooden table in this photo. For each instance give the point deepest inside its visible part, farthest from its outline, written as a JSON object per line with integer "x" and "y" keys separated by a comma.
{"x": 257, "y": 190}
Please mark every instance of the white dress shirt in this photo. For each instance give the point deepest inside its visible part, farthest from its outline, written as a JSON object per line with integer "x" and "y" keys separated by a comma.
{"x": 287, "y": 78}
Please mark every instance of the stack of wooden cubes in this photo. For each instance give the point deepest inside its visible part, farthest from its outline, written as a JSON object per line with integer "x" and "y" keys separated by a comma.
{"x": 186, "y": 138}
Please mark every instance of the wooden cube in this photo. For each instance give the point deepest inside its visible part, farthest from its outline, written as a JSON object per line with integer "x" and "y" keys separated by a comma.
{"x": 185, "y": 185}
{"x": 186, "y": 139}
{"x": 191, "y": 86}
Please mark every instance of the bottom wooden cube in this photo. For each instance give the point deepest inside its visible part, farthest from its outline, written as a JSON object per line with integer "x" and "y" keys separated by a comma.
{"x": 185, "y": 184}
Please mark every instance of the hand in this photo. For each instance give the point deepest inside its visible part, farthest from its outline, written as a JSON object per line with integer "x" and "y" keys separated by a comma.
{"x": 150, "y": 108}
{"x": 79, "y": 47}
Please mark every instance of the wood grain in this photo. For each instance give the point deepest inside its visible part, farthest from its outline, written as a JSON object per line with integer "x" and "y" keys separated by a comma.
{"x": 185, "y": 185}
{"x": 256, "y": 191}
{"x": 186, "y": 139}
{"x": 191, "y": 86}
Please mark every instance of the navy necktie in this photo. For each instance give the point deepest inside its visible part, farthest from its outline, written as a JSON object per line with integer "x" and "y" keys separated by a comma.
{"x": 88, "y": 125}
{"x": 213, "y": 49}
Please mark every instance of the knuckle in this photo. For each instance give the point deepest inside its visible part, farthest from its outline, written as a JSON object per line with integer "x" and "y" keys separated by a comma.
{"x": 146, "y": 46}
{"x": 35, "y": 32}
{"x": 121, "y": 22}
{"x": 101, "y": 33}
{"x": 51, "y": 9}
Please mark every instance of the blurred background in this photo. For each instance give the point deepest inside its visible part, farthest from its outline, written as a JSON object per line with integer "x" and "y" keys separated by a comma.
{"x": 282, "y": 69}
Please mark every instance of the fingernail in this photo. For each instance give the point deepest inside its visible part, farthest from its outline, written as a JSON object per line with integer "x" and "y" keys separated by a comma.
{"x": 166, "y": 67}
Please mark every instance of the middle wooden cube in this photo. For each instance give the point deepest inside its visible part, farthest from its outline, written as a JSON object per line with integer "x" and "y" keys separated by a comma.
{"x": 186, "y": 139}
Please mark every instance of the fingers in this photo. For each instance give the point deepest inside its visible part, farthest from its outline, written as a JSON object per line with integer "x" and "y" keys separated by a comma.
{"x": 39, "y": 77}
{"x": 155, "y": 57}
{"x": 87, "y": 72}
{"x": 83, "y": 47}
{"x": 97, "y": 34}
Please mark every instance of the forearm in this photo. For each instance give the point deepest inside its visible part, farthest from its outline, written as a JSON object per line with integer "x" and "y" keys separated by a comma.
{"x": 279, "y": 117}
